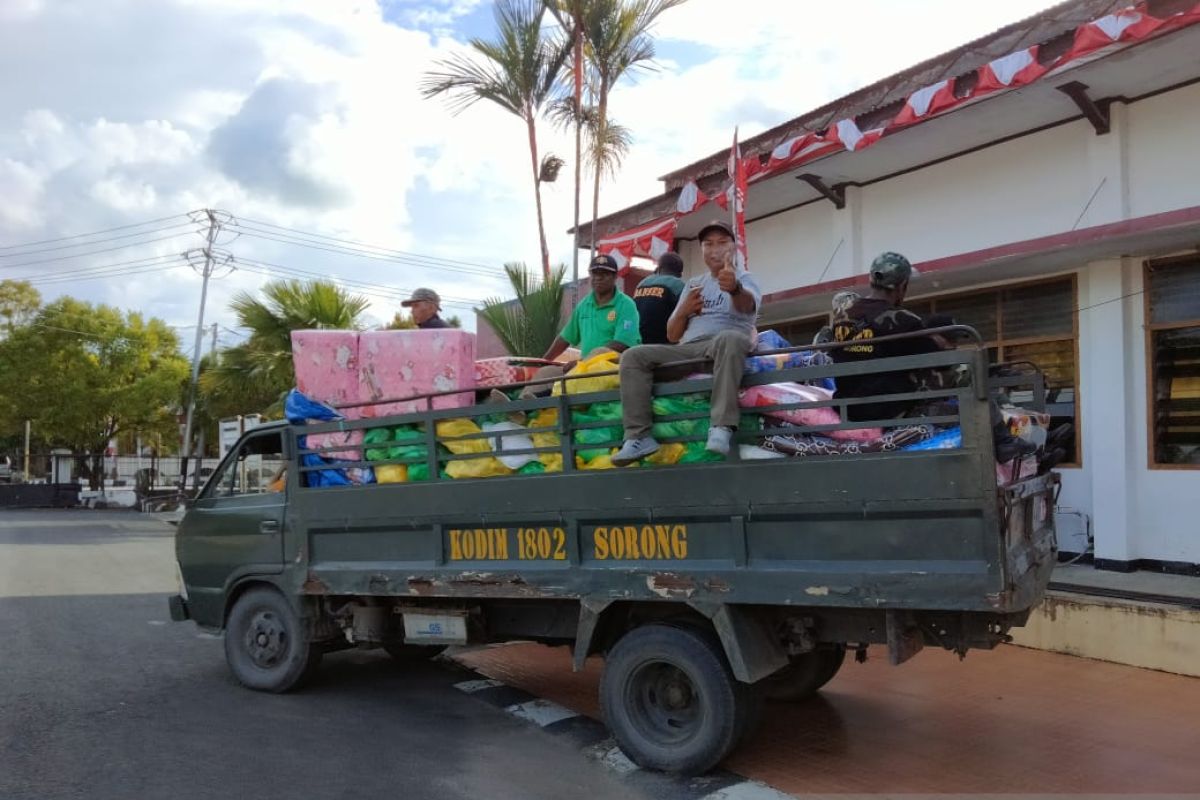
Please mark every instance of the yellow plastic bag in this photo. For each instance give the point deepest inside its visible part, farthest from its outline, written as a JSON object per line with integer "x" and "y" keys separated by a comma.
{"x": 477, "y": 468}
{"x": 470, "y": 467}
{"x": 604, "y": 362}
{"x": 599, "y": 462}
{"x": 666, "y": 454}
{"x": 547, "y": 418}
{"x": 391, "y": 473}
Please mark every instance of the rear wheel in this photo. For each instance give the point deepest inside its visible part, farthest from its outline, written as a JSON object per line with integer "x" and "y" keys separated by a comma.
{"x": 671, "y": 701}
{"x": 806, "y": 673}
{"x": 265, "y": 645}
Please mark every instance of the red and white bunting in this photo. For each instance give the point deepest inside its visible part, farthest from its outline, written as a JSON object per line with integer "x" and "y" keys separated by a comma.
{"x": 1092, "y": 40}
{"x": 853, "y": 139}
{"x": 650, "y": 240}
{"x": 1100, "y": 36}
{"x": 690, "y": 199}
{"x": 925, "y": 103}
{"x": 1013, "y": 70}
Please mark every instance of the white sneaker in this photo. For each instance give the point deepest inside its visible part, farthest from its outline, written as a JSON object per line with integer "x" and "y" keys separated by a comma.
{"x": 635, "y": 450}
{"x": 718, "y": 440}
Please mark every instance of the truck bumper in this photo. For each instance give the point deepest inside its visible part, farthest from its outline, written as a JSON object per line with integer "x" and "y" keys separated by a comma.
{"x": 179, "y": 608}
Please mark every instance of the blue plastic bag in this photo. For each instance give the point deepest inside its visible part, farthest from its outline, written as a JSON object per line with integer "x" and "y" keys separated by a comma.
{"x": 770, "y": 340}
{"x": 949, "y": 439}
{"x": 300, "y": 408}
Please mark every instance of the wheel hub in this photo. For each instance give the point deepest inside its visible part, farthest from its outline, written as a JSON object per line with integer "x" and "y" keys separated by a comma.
{"x": 667, "y": 705}
{"x": 266, "y": 640}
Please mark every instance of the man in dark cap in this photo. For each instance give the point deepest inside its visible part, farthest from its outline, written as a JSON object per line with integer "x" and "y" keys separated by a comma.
{"x": 713, "y": 320}
{"x": 604, "y": 318}
{"x": 656, "y": 297}
{"x": 425, "y": 305}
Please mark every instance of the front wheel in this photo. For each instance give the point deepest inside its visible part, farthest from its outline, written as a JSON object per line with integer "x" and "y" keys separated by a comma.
{"x": 265, "y": 645}
{"x": 671, "y": 701}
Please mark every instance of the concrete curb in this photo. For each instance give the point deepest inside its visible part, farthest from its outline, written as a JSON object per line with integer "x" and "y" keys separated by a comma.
{"x": 593, "y": 741}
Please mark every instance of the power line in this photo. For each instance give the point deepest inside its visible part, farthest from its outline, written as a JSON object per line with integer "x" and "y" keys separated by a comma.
{"x": 136, "y": 261}
{"x": 363, "y": 244}
{"x": 93, "y": 233}
{"x": 370, "y": 290}
{"x": 409, "y": 260}
{"x": 399, "y": 292}
{"x": 109, "y": 274}
{"x": 89, "y": 253}
{"x": 98, "y": 241}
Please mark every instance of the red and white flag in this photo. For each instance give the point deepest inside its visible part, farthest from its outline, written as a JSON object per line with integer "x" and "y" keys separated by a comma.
{"x": 737, "y": 176}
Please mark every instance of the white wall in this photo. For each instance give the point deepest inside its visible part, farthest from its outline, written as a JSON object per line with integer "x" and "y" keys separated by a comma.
{"x": 1164, "y": 170}
{"x": 1046, "y": 183}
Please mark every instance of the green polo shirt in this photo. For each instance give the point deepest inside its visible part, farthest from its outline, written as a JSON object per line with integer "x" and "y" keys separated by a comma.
{"x": 593, "y": 326}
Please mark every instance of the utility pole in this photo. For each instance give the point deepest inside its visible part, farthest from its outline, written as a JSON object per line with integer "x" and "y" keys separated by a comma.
{"x": 212, "y": 361}
{"x": 210, "y": 260}
{"x": 26, "y": 473}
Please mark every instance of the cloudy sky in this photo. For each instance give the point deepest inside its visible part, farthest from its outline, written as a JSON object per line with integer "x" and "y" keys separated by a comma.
{"x": 303, "y": 116}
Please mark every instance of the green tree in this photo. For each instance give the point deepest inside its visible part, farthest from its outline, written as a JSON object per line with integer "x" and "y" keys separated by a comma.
{"x": 84, "y": 374}
{"x": 618, "y": 42}
{"x": 528, "y": 324}
{"x": 254, "y": 376}
{"x": 519, "y": 72}
{"x": 19, "y": 302}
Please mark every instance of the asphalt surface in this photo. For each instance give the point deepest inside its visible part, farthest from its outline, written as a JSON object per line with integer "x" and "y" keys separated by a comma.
{"x": 101, "y": 696}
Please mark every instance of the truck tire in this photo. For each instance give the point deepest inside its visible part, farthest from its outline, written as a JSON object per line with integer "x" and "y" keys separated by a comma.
{"x": 806, "y": 673}
{"x": 265, "y": 645}
{"x": 671, "y": 701}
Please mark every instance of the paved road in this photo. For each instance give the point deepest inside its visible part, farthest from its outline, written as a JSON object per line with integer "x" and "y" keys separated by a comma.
{"x": 102, "y": 697}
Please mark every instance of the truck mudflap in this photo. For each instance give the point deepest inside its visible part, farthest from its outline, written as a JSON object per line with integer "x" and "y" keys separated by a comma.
{"x": 1030, "y": 544}
{"x": 178, "y": 608}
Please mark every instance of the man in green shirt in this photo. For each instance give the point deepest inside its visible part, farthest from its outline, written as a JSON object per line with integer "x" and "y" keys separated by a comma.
{"x": 605, "y": 318}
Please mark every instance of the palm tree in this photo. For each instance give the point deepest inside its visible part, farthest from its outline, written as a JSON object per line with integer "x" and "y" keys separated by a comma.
{"x": 527, "y": 326}
{"x": 254, "y": 375}
{"x": 571, "y": 16}
{"x": 607, "y": 145}
{"x": 519, "y": 72}
{"x": 617, "y": 34}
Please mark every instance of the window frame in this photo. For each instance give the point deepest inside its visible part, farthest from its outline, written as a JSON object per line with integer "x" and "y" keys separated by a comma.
{"x": 229, "y": 464}
{"x": 1149, "y": 328}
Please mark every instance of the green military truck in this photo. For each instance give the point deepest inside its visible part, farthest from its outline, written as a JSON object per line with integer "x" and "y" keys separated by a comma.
{"x": 703, "y": 586}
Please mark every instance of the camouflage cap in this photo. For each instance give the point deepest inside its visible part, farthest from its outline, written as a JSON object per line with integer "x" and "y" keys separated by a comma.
{"x": 890, "y": 270}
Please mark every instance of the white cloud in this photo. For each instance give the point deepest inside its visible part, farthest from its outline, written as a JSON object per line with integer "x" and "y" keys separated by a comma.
{"x": 307, "y": 113}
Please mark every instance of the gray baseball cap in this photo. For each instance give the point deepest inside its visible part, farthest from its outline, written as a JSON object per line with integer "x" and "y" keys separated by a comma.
{"x": 890, "y": 270}
{"x": 420, "y": 295}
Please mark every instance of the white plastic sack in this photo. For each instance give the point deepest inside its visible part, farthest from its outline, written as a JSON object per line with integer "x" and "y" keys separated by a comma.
{"x": 513, "y": 441}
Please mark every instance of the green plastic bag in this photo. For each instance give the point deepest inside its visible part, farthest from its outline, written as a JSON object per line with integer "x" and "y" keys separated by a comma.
{"x": 377, "y": 436}
{"x": 532, "y": 468}
{"x": 409, "y": 445}
{"x": 681, "y": 404}
{"x": 609, "y": 434}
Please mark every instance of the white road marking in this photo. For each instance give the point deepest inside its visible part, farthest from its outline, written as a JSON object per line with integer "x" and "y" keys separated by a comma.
{"x": 470, "y": 687}
{"x": 748, "y": 790}
{"x": 541, "y": 712}
{"x": 608, "y": 754}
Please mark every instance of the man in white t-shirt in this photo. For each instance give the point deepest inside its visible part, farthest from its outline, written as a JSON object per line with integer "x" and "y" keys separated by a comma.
{"x": 714, "y": 319}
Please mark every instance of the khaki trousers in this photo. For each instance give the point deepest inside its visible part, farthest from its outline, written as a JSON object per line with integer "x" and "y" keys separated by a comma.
{"x": 727, "y": 350}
